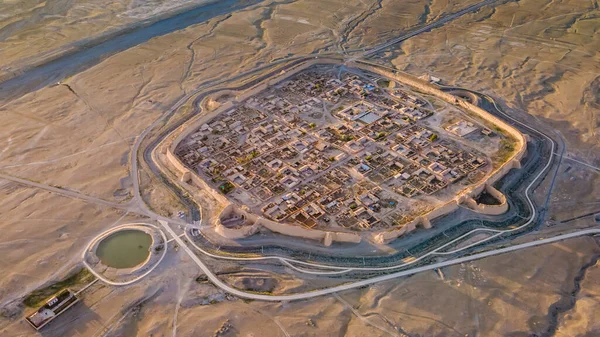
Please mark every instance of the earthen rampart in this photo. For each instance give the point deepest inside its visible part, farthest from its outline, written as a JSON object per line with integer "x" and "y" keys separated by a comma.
{"x": 500, "y": 208}
{"x": 466, "y": 196}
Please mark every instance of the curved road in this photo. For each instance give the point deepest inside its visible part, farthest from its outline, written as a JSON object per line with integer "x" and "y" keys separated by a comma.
{"x": 243, "y": 294}
{"x": 311, "y": 294}
{"x": 137, "y": 205}
{"x": 113, "y": 283}
{"x": 437, "y": 251}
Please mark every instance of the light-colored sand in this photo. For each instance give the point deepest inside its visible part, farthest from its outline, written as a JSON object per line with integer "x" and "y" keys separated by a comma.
{"x": 33, "y": 31}
{"x": 43, "y": 235}
{"x": 537, "y": 57}
{"x": 499, "y": 296}
{"x": 544, "y": 63}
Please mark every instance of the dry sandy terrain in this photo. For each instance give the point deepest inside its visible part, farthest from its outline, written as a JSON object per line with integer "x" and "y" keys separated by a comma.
{"x": 507, "y": 295}
{"x": 34, "y": 30}
{"x": 538, "y": 57}
{"x": 43, "y": 235}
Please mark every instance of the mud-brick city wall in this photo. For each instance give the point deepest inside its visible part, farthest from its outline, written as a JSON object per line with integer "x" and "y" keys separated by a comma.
{"x": 468, "y": 194}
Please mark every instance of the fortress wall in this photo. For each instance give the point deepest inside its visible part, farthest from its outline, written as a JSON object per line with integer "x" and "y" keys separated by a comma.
{"x": 492, "y": 119}
{"x": 302, "y": 67}
{"x": 231, "y": 210}
{"x": 240, "y": 97}
{"x": 470, "y": 202}
{"x": 476, "y": 190}
{"x": 176, "y": 163}
{"x": 199, "y": 182}
{"x": 386, "y": 236}
{"x": 313, "y": 234}
{"x": 191, "y": 126}
{"x": 291, "y": 230}
{"x": 233, "y": 233}
{"x": 495, "y": 193}
{"x": 227, "y": 211}
{"x": 277, "y": 227}
{"x": 284, "y": 75}
{"x": 345, "y": 237}
{"x": 493, "y": 209}
{"x": 486, "y": 184}
{"x": 195, "y": 179}
{"x": 447, "y": 208}
{"x": 486, "y": 209}
{"x": 236, "y": 233}
{"x": 509, "y": 165}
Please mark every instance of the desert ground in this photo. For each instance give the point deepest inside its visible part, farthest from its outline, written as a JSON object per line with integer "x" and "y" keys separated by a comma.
{"x": 538, "y": 58}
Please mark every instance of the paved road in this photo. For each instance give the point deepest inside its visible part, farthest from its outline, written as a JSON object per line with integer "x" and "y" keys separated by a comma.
{"x": 137, "y": 205}
{"x": 289, "y": 262}
{"x": 141, "y": 207}
{"x": 437, "y": 251}
{"x": 286, "y": 261}
{"x": 301, "y": 296}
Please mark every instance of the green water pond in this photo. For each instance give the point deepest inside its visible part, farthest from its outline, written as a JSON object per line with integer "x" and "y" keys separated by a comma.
{"x": 124, "y": 249}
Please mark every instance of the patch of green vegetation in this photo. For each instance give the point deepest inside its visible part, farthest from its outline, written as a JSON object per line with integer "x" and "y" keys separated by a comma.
{"x": 433, "y": 137}
{"x": 226, "y": 187}
{"x": 346, "y": 138}
{"x": 383, "y": 83}
{"x": 37, "y": 297}
{"x": 498, "y": 130}
{"x": 266, "y": 292}
{"x": 380, "y": 135}
{"x": 507, "y": 147}
{"x": 249, "y": 157}
{"x": 312, "y": 125}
